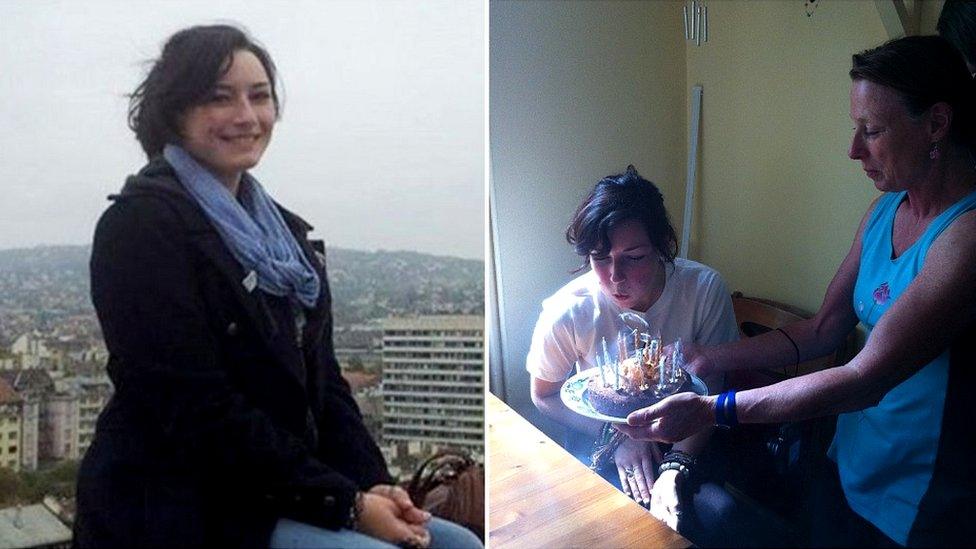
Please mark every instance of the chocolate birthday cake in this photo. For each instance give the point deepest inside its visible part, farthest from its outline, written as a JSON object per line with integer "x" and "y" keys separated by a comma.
{"x": 631, "y": 385}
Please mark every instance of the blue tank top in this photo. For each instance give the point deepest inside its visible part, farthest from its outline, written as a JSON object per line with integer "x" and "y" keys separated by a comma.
{"x": 886, "y": 454}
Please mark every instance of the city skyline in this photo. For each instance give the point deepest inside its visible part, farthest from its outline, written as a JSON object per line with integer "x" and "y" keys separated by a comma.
{"x": 329, "y": 245}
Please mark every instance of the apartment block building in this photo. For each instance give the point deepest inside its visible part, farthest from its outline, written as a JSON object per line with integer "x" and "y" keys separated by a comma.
{"x": 433, "y": 381}
{"x": 11, "y": 406}
{"x": 55, "y": 415}
{"x": 68, "y": 417}
{"x": 32, "y": 386}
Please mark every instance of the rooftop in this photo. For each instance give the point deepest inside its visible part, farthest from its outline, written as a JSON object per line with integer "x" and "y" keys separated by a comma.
{"x": 31, "y": 379}
{"x": 31, "y": 526}
{"x": 359, "y": 380}
{"x": 436, "y": 322}
{"x": 7, "y": 396}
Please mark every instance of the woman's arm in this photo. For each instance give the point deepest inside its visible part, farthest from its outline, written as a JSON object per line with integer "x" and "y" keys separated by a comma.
{"x": 814, "y": 337}
{"x": 920, "y": 325}
{"x": 552, "y": 357}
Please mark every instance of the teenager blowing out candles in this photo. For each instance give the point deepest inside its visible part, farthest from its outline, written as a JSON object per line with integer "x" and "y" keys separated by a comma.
{"x": 622, "y": 230}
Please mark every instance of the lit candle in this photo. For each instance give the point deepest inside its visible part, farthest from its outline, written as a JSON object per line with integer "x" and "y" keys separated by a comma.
{"x": 599, "y": 366}
{"x": 660, "y": 378}
{"x": 676, "y": 360}
{"x": 621, "y": 355}
{"x": 621, "y": 347}
{"x": 641, "y": 378}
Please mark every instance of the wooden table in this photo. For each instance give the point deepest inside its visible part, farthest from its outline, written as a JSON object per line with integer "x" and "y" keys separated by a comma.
{"x": 541, "y": 496}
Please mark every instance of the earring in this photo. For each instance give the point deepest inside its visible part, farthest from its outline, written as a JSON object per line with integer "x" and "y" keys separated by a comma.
{"x": 934, "y": 152}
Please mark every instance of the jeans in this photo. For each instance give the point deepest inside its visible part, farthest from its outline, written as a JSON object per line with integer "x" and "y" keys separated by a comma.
{"x": 291, "y": 534}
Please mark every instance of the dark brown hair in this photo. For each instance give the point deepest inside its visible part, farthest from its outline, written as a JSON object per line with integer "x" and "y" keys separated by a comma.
{"x": 619, "y": 198}
{"x": 924, "y": 70}
{"x": 192, "y": 62}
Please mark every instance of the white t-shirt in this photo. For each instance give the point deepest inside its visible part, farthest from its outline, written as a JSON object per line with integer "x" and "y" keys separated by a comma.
{"x": 695, "y": 306}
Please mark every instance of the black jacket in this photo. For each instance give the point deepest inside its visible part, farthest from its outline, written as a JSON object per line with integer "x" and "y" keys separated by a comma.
{"x": 220, "y": 422}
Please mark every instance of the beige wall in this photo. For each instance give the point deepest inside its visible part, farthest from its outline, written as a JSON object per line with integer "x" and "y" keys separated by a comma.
{"x": 779, "y": 200}
{"x": 578, "y": 91}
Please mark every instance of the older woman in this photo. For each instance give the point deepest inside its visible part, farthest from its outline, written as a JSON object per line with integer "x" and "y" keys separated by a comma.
{"x": 904, "y": 445}
{"x": 623, "y": 232}
{"x": 230, "y": 424}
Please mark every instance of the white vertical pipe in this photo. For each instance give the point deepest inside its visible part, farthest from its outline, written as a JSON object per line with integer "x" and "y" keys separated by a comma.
{"x": 684, "y": 13}
{"x": 693, "y": 134}
{"x": 705, "y": 26}
{"x": 698, "y": 32}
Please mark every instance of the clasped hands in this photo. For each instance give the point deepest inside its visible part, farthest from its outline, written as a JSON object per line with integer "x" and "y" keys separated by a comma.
{"x": 389, "y": 514}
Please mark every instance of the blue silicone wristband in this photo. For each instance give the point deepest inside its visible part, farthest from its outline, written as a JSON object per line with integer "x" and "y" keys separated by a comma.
{"x": 725, "y": 410}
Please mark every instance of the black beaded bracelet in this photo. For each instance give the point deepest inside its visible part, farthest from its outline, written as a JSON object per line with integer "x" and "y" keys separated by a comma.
{"x": 684, "y": 458}
{"x": 678, "y": 460}
{"x": 674, "y": 466}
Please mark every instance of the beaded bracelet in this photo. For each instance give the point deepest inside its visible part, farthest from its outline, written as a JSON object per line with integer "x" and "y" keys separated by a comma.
{"x": 684, "y": 458}
{"x": 674, "y": 466}
{"x": 678, "y": 460}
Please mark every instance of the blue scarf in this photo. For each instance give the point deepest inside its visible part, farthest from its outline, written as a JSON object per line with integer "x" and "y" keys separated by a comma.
{"x": 254, "y": 232}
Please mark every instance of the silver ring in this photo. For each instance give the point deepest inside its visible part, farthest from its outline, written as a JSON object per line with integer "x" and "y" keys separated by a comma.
{"x": 629, "y": 473}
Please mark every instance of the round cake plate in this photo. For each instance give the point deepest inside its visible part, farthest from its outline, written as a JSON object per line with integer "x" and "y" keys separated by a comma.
{"x": 574, "y": 396}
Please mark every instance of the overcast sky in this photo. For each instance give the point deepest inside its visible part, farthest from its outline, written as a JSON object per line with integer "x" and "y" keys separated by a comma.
{"x": 380, "y": 145}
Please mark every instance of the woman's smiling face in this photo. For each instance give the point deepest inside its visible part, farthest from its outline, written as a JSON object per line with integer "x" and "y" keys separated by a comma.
{"x": 630, "y": 270}
{"x": 230, "y": 130}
